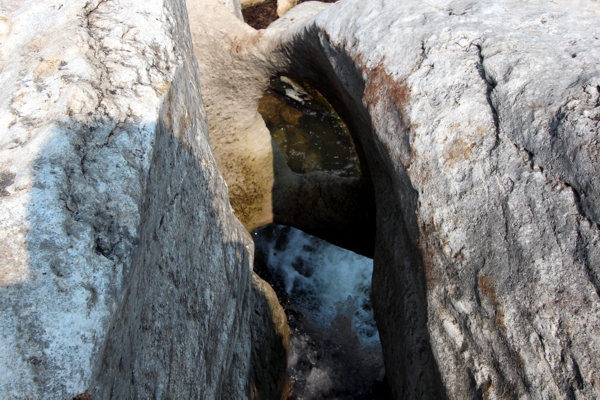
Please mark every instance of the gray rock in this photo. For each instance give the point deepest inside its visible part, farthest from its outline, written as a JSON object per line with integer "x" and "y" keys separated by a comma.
{"x": 123, "y": 271}
{"x": 479, "y": 122}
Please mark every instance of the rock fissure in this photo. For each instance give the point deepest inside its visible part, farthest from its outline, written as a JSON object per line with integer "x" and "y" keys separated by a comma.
{"x": 477, "y": 199}
{"x": 491, "y": 84}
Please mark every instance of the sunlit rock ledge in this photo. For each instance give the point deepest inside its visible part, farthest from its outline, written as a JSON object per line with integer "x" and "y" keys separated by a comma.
{"x": 124, "y": 272}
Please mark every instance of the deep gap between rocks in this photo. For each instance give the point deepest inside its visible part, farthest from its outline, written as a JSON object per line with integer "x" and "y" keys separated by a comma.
{"x": 325, "y": 290}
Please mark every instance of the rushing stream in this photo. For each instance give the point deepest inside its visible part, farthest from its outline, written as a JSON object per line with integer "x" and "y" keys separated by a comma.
{"x": 335, "y": 351}
{"x": 325, "y": 290}
{"x": 326, "y": 281}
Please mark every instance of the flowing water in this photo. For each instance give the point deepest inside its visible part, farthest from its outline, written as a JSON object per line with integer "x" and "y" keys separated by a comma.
{"x": 326, "y": 281}
{"x": 325, "y": 290}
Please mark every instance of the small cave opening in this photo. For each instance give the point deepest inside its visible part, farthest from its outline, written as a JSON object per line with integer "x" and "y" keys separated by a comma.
{"x": 324, "y": 289}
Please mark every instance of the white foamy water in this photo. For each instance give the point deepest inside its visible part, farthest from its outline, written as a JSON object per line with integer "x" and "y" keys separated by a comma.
{"x": 325, "y": 280}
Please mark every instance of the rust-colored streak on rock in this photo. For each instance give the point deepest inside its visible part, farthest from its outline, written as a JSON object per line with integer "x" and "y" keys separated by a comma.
{"x": 384, "y": 93}
{"x": 488, "y": 290}
{"x": 459, "y": 151}
{"x": 382, "y": 87}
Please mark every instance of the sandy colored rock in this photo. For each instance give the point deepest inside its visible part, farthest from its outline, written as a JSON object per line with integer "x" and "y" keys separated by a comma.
{"x": 284, "y": 6}
{"x": 270, "y": 343}
{"x": 262, "y": 188}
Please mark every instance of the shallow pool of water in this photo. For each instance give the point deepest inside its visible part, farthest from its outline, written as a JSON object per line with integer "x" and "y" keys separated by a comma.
{"x": 307, "y": 129}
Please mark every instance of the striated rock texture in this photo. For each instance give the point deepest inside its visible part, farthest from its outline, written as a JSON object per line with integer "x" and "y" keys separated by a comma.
{"x": 123, "y": 271}
{"x": 480, "y": 125}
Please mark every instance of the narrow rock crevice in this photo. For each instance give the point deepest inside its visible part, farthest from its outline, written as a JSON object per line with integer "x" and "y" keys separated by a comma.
{"x": 491, "y": 84}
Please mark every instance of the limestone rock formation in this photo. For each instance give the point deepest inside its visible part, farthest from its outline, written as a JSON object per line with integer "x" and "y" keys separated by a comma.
{"x": 125, "y": 274}
{"x": 270, "y": 344}
{"x": 123, "y": 271}
{"x": 477, "y": 127}
{"x": 284, "y": 6}
{"x": 479, "y": 122}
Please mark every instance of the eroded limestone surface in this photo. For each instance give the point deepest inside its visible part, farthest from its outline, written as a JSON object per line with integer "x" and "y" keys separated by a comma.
{"x": 113, "y": 212}
{"x": 262, "y": 188}
{"x": 123, "y": 271}
{"x": 480, "y": 129}
{"x": 477, "y": 126}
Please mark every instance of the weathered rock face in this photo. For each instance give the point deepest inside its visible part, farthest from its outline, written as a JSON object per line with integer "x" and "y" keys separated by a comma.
{"x": 479, "y": 122}
{"x": 479, "y": 129}
{"x": 113, "y": 212}
{"x": 124, "y": 272}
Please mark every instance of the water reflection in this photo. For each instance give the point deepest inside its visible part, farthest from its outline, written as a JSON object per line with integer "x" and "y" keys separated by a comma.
{"x": 307, "y": 129}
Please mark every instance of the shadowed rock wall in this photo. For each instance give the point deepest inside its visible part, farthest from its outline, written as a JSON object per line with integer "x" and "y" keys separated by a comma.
{"x": 123, "y": 272}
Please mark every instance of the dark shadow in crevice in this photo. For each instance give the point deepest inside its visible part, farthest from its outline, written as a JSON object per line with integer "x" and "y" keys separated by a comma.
{"x": 399, "y": 292}
{"x": 332, "y": 203}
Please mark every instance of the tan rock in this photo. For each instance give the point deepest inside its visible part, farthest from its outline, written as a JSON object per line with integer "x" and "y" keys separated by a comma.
{"x": 270, "y": 343}
{"x": 284, "y": 6}
{"x": 262, "y": 188}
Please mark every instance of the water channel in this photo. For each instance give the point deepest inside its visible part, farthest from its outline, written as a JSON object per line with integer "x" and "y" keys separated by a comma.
{"x": 325, "y": 290}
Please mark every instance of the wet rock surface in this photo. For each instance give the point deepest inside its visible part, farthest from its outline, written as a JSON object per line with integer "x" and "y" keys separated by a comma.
{"x": 270, "y": 343}
{"x": 308, "y": 130}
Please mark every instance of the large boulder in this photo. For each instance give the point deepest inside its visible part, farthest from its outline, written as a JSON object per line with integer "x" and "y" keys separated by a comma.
{"x": 477, "y": 127}
{"x": 480, "y": 126}
{"x": 123, "y": 271}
